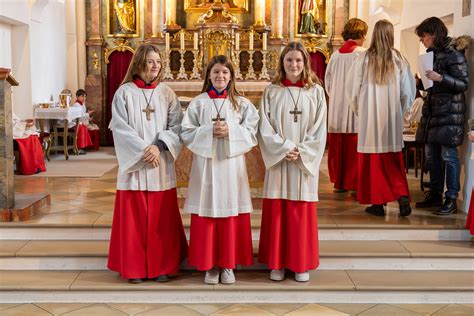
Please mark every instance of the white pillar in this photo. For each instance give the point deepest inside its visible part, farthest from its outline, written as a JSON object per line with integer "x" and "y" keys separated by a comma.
{"x": 277, "y": 19}
{"x": 259, "y": 14}
{"x": 81, "y": 46}
{"x": 170, "y": 12}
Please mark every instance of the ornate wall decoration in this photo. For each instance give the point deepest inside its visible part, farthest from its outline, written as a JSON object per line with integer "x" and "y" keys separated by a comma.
{"x": 311, "y": 18}
{"x": 314, "y": 45}
{"x": 121, "y": 45}
{"x": 123, "y": 18}
{"x": 204, "y": 5}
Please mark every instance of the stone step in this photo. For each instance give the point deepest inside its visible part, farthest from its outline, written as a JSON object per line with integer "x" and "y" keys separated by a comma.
{"x": 335, "y": 255}
{"x": 64, "y": 231}
{"x": 325, "y": 286}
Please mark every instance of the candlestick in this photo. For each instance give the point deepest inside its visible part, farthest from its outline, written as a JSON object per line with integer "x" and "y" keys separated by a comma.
{"x": 182, "y": 40}
{"x": 196, "y": 40}
{"x": 167, "y": 41}
{"x": 251, "y": 40}
{"x": 264, "y": 41}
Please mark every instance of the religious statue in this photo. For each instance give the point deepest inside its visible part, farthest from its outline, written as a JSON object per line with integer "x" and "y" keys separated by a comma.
{"x": 125, "y": 12}
{"x": 309, "y": 17}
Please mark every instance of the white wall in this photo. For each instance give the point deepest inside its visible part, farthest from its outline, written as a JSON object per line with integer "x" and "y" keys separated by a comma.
{"x": 5, "y": 51}
{"x": 40, "y": 42}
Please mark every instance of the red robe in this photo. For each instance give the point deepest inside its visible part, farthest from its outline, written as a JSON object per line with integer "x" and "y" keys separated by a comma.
{"x": 83, "y": 138}
{"x": 224, "y": 242}
{"x": 31, "y": 155}
{"x": 342, "y": 149}
{"x": 470, "y": 215}
{"x": 289, "y": 231}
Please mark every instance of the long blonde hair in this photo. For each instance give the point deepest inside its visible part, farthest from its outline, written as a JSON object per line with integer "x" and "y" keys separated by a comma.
{"x": 308, "y": 76}
{"x": 138, "y": 64}
{"x": 232, "y": 92}
{"x": 381, "y": 52}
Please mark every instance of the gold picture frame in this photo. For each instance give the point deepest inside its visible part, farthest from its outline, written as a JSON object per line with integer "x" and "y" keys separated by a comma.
{"x": 234, "y": 6}
{"x": 123, "y": 18}
{"x": 318, "y": 27}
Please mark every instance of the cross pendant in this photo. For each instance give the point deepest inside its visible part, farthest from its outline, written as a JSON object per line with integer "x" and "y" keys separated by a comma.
{"x": 148, "y": 111}
{"x": 218, "y": 118}
{"x": 295, "y": 112}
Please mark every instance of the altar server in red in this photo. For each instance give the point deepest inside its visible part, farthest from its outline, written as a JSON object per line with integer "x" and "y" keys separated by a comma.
{"x": 148, "y": 240}
{"x": 219, "y": 127}
{"x": 292, "y": 137}
{"x": 342, "y": 121}
{"x": 381, "y": 86}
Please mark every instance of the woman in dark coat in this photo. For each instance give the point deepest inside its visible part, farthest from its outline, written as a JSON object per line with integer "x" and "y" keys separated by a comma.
{"x": 444, "y": 113}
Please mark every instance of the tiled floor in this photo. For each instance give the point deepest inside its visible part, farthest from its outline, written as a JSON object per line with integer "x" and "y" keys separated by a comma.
{"x": 85, "y": 202}
{"x": 234, "y": 309}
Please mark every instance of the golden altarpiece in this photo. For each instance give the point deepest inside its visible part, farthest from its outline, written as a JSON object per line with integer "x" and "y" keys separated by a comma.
{"x": 190, "y": 32}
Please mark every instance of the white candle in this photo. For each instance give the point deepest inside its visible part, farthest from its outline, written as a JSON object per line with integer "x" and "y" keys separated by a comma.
{"x": 264, "y": 41}
{"x": 196, "y": 40}
{"x": 237, "y": 41}
{"x": 182, "y": 40}
{"x": 167, "y": 41}
{"x": 251, "y": 40}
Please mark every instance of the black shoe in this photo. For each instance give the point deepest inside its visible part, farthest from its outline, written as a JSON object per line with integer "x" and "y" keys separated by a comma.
{"x": 82, "y": 152}
{"x": 432, "y": 199}
{"x": 339, "y": 191}
{"x": 376, "y": 209}
{"x": 162, "y": 278}
{"x": 449, "y": 207}
{"x": 135, "y": 281}
{"x": 404, "y": 203}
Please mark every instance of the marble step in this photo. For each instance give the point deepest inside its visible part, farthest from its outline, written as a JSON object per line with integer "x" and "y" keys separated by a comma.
{"x": 335, "y": 255}
{"x": 325, "y": 286}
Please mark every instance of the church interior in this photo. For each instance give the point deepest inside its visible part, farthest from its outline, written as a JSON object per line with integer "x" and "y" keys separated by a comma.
{"x": 55, "y": 225}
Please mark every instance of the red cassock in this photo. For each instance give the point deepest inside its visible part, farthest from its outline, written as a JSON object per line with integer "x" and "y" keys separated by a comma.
{"x": 342, "y": 160}
{"x": 382, "y": 178}
{"x": 289, "y": 235}
{"x": 83, "y": 137}
{"x": 223, "y": 242}
{"x": 148, "y": 238}
{"x": 31, "y": 155}
{"x": 95, "y": 138}
{"x": 470, "y": 215}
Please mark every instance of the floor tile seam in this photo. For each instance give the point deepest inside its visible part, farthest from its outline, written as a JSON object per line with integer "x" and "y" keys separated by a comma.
{"x": 298, "y": 307}
{"x": 15, "y": 306}
{"x": 352, "y": 281}
{"x": 192, "y": 310}
{"x": 23, "y": 246}
{"x": 370, "y": 307}
{"x": 114, "y": 308}
{"x": 403, "y": 246}
{"x": 409, "y": 310}
{"x": 34, "y": 304}
{"x": 75, "y": 279}
{"x": 444, "y": 306}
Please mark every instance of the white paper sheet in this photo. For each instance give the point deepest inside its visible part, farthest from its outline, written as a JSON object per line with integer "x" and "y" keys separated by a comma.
{"x": 425, "y": 62}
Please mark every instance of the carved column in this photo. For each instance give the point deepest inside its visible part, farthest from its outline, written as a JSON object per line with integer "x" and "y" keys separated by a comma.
{"x": 277, "y": 19}
{"x": 340, "y": 18}
{"x": 94, "y": 84}
{"x": 7, "y": 193}
{"x": 171, "y": 25}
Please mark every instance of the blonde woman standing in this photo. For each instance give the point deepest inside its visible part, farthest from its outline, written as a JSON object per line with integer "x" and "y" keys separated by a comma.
{"x": 381, "y": 87}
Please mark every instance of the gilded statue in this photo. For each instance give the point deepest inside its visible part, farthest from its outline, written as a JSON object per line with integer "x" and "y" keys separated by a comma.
{"x": 125, "y": 11}
{"x": 309, "y": 17}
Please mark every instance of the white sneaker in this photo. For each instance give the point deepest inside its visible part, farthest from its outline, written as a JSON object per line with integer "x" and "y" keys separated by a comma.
{"x": 277, "y": 275}
{"x": 212, "y": 276}
{"x": 302, "y": 277}
{"x": 227, "y": 276}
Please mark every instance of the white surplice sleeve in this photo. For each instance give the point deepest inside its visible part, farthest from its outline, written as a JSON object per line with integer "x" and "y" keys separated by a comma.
{"x": 272, "y": 145}
{"x": 243, "y": 134}
{"x": 407, "y": 88}
{"x": 328, "y": 76}
{"x": 197, "y": 137}
{"x": 129, "y": 146}
{"x": 311, "y": 149}
{"x": 170, "y": 136}
{"x": 354, "y": 82}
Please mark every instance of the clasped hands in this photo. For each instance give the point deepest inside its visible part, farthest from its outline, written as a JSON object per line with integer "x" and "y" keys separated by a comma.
{"x": 220, "y": 129}
{"x": 151, "y": 155}
{"x": 293, "y": 155}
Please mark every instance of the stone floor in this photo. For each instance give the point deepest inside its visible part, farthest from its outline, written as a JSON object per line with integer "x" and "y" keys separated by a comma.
{"x": 77, "y": 309}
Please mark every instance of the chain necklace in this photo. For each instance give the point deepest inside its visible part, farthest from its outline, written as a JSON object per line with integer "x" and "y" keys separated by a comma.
{"x": 218, "y": 117}
{"x": 295, "y": 111}
{"x": 148, "y": 110}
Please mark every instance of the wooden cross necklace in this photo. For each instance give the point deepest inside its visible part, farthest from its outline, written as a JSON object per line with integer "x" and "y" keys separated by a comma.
{"x": 218, "y": 118}
{"x": 148, "y": 110}
{"x": 295, "y": 111}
